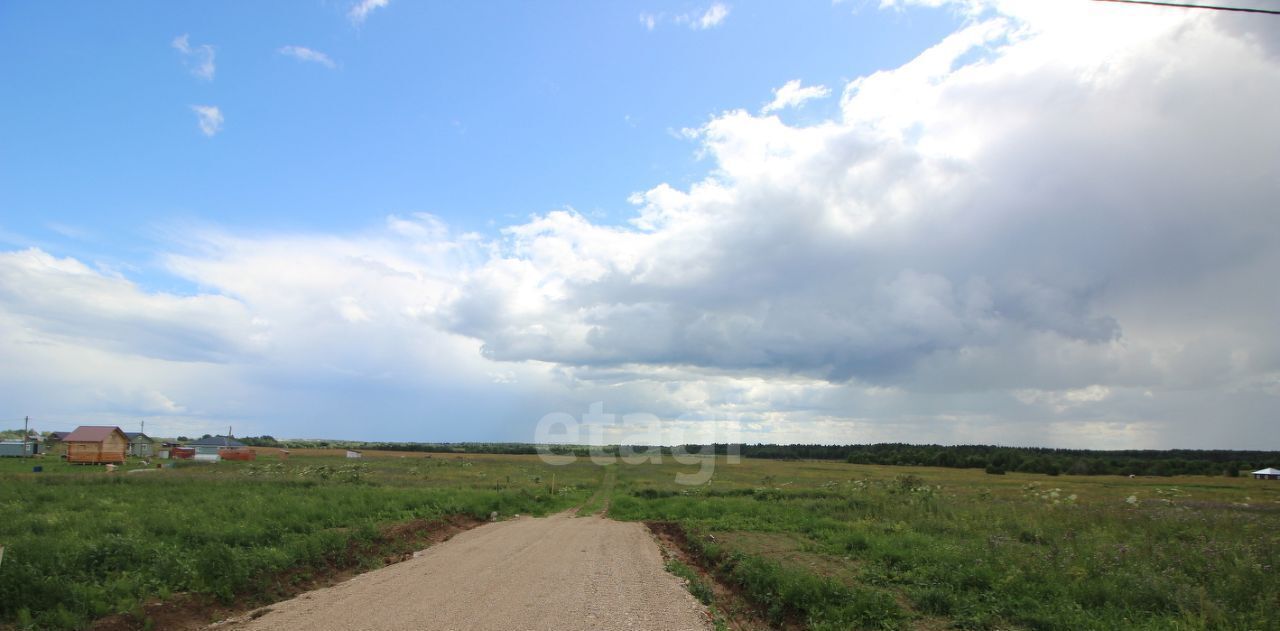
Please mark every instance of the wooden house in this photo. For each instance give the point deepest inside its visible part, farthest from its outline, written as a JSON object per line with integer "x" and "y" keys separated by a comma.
{"x": 96, "y": 444}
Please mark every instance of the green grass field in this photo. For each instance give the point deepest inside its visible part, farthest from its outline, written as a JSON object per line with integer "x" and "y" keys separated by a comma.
{"x": 838, "y": 546}
{"x": 822, "y": 545}
{"x": 82, "y": 544}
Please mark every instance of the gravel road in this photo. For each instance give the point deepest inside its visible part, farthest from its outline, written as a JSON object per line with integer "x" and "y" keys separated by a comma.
{"x": 558, "y": 572}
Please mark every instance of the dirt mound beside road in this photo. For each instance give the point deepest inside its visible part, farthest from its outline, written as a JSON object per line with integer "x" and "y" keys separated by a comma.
{"x": 558, "y": 572}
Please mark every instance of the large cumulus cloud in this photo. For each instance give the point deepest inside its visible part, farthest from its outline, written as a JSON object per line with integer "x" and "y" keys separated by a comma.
{"x": 1048, "y": 198}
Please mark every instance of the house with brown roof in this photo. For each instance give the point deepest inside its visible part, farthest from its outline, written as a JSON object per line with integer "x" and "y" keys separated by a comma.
{"x": 96, "y": 444}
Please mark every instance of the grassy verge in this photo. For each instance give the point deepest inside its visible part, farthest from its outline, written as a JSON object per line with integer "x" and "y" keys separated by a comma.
{"x": 598, "y": 503}
{"x": 782, "y": 596}
{"x": 824, "y": 545}
{"x": 82, "y": 544}
{"x": 697, "y": 586}
{"x": 393, "y": 543}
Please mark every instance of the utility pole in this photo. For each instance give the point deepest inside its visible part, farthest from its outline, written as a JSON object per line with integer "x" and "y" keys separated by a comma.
{"x": 26, "y": 436}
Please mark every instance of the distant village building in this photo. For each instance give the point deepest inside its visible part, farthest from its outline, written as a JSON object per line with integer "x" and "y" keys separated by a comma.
{"x": 352, "y": 453}
{"x": 16, "y": 448}
{"x": 215, "y": 448}
{"x": 96, "y": 444}
{"x": 139, "y": 444}
{"x": 53, "y": 441}
{"x": 182, "y": 453}
{"x": 1267, "y": 474}
{"x": 19, "y": 448}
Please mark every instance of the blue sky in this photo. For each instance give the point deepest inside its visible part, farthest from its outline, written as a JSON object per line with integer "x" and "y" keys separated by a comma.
{"x": 953, "y": 221}
{"x": 477, "y": 113}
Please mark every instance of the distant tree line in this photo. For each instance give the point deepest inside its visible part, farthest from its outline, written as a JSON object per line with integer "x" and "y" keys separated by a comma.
{"x": 992, "y": 458}
{"x": 456, "y": 448}
{"x": 998, "y": 459}
{"x": 259, "y": 441}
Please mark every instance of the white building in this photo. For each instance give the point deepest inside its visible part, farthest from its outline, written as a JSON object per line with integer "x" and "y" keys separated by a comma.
{"x": 1267, "y": 474}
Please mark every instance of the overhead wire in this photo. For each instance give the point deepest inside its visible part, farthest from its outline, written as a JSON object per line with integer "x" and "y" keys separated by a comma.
{"x": 1185, "y": 5}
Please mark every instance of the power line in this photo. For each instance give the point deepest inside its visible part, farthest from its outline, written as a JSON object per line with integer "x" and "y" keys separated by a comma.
{"x": 1195, "y": 6}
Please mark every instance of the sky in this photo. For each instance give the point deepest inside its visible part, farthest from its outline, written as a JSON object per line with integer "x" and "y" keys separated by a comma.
{"x": 929, "y": 221}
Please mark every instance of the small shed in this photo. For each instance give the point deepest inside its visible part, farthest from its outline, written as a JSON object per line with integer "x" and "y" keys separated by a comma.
{"x": 1267, "y": 474}
{"x": 353, "y": 454}
{"x": 139, "y": 444}
{"x": 96, "y": 444}
{"x": 16, "y": 448}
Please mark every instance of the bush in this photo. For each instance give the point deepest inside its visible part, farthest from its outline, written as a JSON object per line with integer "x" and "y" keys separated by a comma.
{"x": 934, "y": 601}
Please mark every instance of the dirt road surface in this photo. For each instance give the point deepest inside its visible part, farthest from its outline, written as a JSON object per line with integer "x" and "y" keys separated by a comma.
{"x": 558, "y": 572}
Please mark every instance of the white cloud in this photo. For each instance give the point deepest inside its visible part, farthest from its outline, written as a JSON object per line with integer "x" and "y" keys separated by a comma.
{"x": 302, "y": 53}
{"x": 1061, "y": 401}
{"x": 351, "y": 311}
{"x": 791, "y": 94}
{"x": 209, "y": 117}
{"x": 199, "y": 59}
{"x": 504, "y": 377}
{"x": 708, "y": 18}
{"x": 711, "y": 18}
{"x": 361, "y": 10}
{"x": 65, "y": 300}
